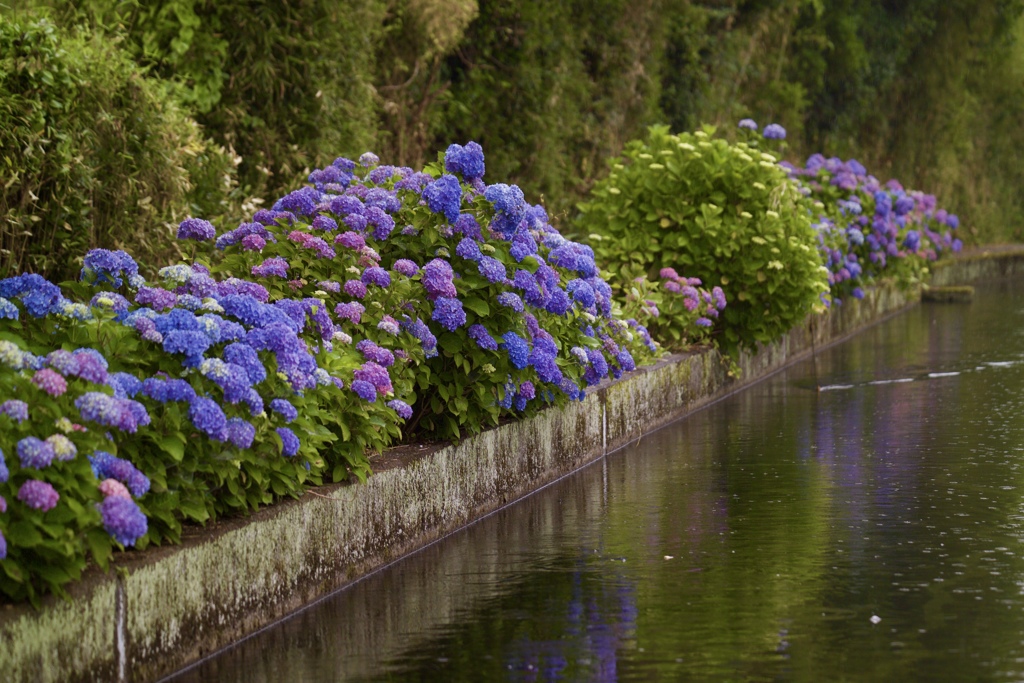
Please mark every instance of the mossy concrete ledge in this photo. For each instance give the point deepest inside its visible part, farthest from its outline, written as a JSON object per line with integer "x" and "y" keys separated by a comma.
{"x": 160, "y": 610}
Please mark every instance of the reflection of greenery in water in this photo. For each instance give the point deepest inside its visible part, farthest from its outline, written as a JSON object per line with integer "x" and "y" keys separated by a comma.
{"x": 791, "y": 517}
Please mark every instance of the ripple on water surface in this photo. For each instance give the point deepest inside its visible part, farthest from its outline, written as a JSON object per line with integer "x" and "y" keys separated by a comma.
{"x": 858, "y": 517}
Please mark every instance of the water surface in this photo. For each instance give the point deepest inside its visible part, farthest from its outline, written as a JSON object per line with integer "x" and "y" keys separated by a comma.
{"x": 858, "y": 517}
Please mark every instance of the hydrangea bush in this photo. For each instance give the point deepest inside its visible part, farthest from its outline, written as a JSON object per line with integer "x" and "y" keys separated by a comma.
{"x": 464, "y": 289}
{"x": 725, "y": 213}
{"x": 294, "y": 346}
{"x": 868, "y": 229}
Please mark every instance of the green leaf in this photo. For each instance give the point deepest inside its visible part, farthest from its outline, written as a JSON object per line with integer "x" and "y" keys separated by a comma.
{"x": 23, "y": 534}
{"x": 477, "y": 305}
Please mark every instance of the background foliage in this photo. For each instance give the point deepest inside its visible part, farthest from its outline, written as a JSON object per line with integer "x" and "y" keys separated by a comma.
{"x": 924, "y": 90}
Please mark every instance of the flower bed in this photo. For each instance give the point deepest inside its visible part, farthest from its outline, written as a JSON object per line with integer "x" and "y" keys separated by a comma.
{"x": 293, "y": 346}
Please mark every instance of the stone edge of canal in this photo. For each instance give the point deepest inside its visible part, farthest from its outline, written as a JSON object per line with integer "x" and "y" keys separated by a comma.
{"x": 163, "y": 609}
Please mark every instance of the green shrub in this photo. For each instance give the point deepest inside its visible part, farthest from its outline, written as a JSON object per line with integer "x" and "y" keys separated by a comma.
{"x": 93, "y": 154}
{"x": 725, "y": 213}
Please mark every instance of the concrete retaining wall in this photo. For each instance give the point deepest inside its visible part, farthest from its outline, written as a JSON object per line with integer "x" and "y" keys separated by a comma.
{"x": 164, "y": 608}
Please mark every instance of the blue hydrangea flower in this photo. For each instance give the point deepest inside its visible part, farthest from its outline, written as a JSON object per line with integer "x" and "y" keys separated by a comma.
{"x": 581, "y": 292}
{"x": 510, "y": 300}
{"x": 125, "y": 382}
{"x": 240, "y": 433}
{"x": 559, "y": 303}
{"x": 364, "y": 390}
{"x": 774, "y": 131}
{"x": 468, "y": 249}
{"x": 207, "y": 416}
{"x": 467, "y": 161}
{"x": 509, "y": 205}
{"x": 15, "y": 409}
{"x": 492, "y": 269}
{"x": 8, "y": 310}
{"x": 517, "y": 348}
{"x": 102, "y": 265}
{"x": 243, "y": 355}
{"x": 35, "y": 453}
{"x": 123, "y": 520}
{"x": 284, "y": 408}
{"x": 523, "y": 245}
{"x": 444, "y": 196}
{"x": 289, "y": 442}
{"x": 748, "y": 124}
{"x": 302, "y": 202}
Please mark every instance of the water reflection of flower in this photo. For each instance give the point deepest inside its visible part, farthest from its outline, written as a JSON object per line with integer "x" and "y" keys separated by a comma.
{"x": 600, "y": 617}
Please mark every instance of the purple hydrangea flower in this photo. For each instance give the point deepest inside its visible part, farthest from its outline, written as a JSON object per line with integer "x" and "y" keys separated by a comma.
{"x": 748, "y": 124}
{"x": 376, "y": 275}
{"x": 406, "y": 267}
{"x": 196, "y": 229}
{"x": 38, "y": 495}
{"x": 324, "y": 223}
{"x": 482, "y": 337}
{"x": 438, "y": 279}
{"x": 352, "y": 311}
{"x": 355, "y": 288}
{"x": 253, "y": 243}
{"x": 123, "y": 519}
{"x": 378, "y": 354}
{"x": 49, "y": 381}
{"x": 375, "y": 374}
{"x": 350, "y": 240}
{"x": 274, "y": 266}
{"x": 774, "y": 131}
{"x": 403, "y": 409}
{"x": 449, "y": 313}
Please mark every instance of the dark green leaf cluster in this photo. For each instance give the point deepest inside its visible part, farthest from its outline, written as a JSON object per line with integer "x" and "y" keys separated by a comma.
{"x": 92, "y": 152}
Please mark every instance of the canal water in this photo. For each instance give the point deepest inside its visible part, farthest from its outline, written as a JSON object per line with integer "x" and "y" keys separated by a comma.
{"x": 859, "y": 517}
